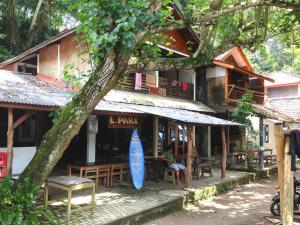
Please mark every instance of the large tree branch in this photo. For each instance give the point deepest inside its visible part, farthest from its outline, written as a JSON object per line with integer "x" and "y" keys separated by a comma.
{"x": 42, "y": 15}
{"x": 246, "y": 5}
{"x": 208, "y": 30}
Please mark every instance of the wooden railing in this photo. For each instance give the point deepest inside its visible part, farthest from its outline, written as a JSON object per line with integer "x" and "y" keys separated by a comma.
{"x": 236, "y": 92}
{"x": 172, "y": 89}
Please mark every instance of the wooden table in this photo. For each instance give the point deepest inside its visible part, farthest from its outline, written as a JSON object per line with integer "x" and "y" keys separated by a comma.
{"x": 70, "y": 184}
{"x": 153, "y": 167}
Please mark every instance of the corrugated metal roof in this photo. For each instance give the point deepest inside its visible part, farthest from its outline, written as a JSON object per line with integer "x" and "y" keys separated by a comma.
{"x": 27, "y": 89}
{"x": 271, "y": 112}
{"x": 182, "y": 115}
{"x": 155, "y": 100}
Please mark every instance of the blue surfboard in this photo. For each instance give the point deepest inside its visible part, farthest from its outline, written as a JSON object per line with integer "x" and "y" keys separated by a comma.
{"x": 136, "y": 160}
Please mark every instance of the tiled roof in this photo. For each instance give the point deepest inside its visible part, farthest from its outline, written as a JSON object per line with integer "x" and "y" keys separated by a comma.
{"x": 28, "y": 90}
{"x": 282, "y": 78}
{"x": 288, "y": 105}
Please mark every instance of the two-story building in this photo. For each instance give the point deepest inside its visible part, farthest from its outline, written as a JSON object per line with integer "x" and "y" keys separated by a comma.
{"x": 161, "y": 104}
{"x": 220, "y": 86}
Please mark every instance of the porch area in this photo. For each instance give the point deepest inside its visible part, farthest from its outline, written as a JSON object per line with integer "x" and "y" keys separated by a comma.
{"x": 122, "y": 204}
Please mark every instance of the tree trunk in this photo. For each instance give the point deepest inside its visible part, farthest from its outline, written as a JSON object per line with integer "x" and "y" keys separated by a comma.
{"x": 38, "y": 21}
{"x": 224, "y": 153}
{"x": 12, "y": 26}
{"x": 57, "y": 139}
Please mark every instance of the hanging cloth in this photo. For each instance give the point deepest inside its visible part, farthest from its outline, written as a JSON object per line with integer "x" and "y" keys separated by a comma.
{"x": 138, "y": 81}
{"x": 294, "y": 148}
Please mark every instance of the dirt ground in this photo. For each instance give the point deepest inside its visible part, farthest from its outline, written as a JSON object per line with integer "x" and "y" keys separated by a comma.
{"x": 246, "y": 205}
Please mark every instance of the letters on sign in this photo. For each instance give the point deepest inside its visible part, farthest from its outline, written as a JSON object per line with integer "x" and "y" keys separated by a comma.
{"x": 123, "y": 121}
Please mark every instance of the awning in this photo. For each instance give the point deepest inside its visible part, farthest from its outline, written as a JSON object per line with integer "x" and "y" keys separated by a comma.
{"x": 182, "y": 115}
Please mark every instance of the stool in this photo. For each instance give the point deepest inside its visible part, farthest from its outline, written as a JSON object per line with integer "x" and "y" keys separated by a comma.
{"x": 169, "y": 175}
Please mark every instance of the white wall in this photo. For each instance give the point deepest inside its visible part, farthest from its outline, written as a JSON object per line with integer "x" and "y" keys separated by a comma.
{"x": 215, "y": 71}
{"x": 186, "y": 76}
{"x": 255, "y": 124}
{"x": 22, "y": 157}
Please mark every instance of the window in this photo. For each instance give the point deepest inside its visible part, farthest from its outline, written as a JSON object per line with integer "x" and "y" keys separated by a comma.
{"x": 26, "y": 131}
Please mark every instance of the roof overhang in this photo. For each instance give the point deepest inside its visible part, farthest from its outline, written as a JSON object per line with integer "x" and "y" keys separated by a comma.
{"x": 183, "y": 115}
{"x": 241, "y": 70}
{"x": 38, "y": 47}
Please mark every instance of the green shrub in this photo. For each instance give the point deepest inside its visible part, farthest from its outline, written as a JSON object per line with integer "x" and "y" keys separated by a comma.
{"x": 17, "y": 205}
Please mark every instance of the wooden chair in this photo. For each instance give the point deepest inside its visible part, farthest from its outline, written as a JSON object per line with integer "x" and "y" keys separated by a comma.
{"x": 116, "y": 170}
{"x": 104, "y": 174}
{"x": 92, "y": 173}
{"x": 202, "y": 166}
{"x": 169, "y": 175}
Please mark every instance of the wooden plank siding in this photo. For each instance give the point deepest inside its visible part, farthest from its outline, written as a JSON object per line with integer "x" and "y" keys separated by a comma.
{"x": 128, "y": 84}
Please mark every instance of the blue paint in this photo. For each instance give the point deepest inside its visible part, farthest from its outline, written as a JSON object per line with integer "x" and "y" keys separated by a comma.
{"x": 136, "y": 160}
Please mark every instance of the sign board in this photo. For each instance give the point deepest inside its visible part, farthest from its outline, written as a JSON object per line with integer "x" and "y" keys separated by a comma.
{"x": 136, "y": 160}
{"x": 123, "y": 122}
{"x": 150, "y": 80}
{"x": 93, "y": 124}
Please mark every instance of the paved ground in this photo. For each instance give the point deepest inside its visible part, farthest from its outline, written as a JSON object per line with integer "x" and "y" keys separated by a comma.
{"x": 246, "y": 205}
{"x": 123, "y": 201}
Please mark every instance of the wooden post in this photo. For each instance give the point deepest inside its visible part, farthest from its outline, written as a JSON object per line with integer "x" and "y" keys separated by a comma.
{"x": 10, "y": 140}
{"x": 288, "y": 186}
{"x": 189, "y": 157}
{"x": 155, "y": 137}
{"x": 224, "y": 153}
{"x": 279, "y": 144}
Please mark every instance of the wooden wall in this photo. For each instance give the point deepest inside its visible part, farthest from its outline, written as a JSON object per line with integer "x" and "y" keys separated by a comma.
{"x": 216, "y": 91}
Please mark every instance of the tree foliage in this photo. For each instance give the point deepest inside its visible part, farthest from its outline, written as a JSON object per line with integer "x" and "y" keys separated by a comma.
{"x": 18, "y": 29}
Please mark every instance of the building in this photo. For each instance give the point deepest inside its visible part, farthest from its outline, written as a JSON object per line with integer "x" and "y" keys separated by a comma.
{"x": 220, "y": 86}
{"x": 162, "y": 105}
{"x": 284, "y": 94}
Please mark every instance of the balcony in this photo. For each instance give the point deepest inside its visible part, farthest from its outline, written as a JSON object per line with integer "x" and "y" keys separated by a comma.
{"x": 236, "y": 92}
{"x": 166, "y": 87}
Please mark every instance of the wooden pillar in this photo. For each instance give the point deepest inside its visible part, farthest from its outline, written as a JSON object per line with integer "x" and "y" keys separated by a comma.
{"x": 224, "y": 152}
{"x": 10, "y": 140}
{"x": 279, "y": 144}
{"x": 155, "y": 138}
{"x": 189, "y": 156}
{"x": 288, "y": 185}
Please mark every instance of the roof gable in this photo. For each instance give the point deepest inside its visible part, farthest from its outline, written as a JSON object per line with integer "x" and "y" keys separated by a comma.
{"x": 237, "y": 57}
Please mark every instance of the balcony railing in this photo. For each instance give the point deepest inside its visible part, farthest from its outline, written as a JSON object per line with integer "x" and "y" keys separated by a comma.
{"x": 236, "y": 92}
{"x": 172, "y": 88}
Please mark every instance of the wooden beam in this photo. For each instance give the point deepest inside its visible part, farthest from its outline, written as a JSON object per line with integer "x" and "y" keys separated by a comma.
{"x": 10, "y": 139}
{"x": 226, "y": 84}
{"x": 189, "y": 157}
{"x": 21, "y": 119}
{"x": 224, "y": 152}
{"x": 27, "y": 107}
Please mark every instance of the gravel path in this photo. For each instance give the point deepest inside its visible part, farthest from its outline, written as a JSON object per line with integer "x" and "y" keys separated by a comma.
{"x": 246, "y": 205}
